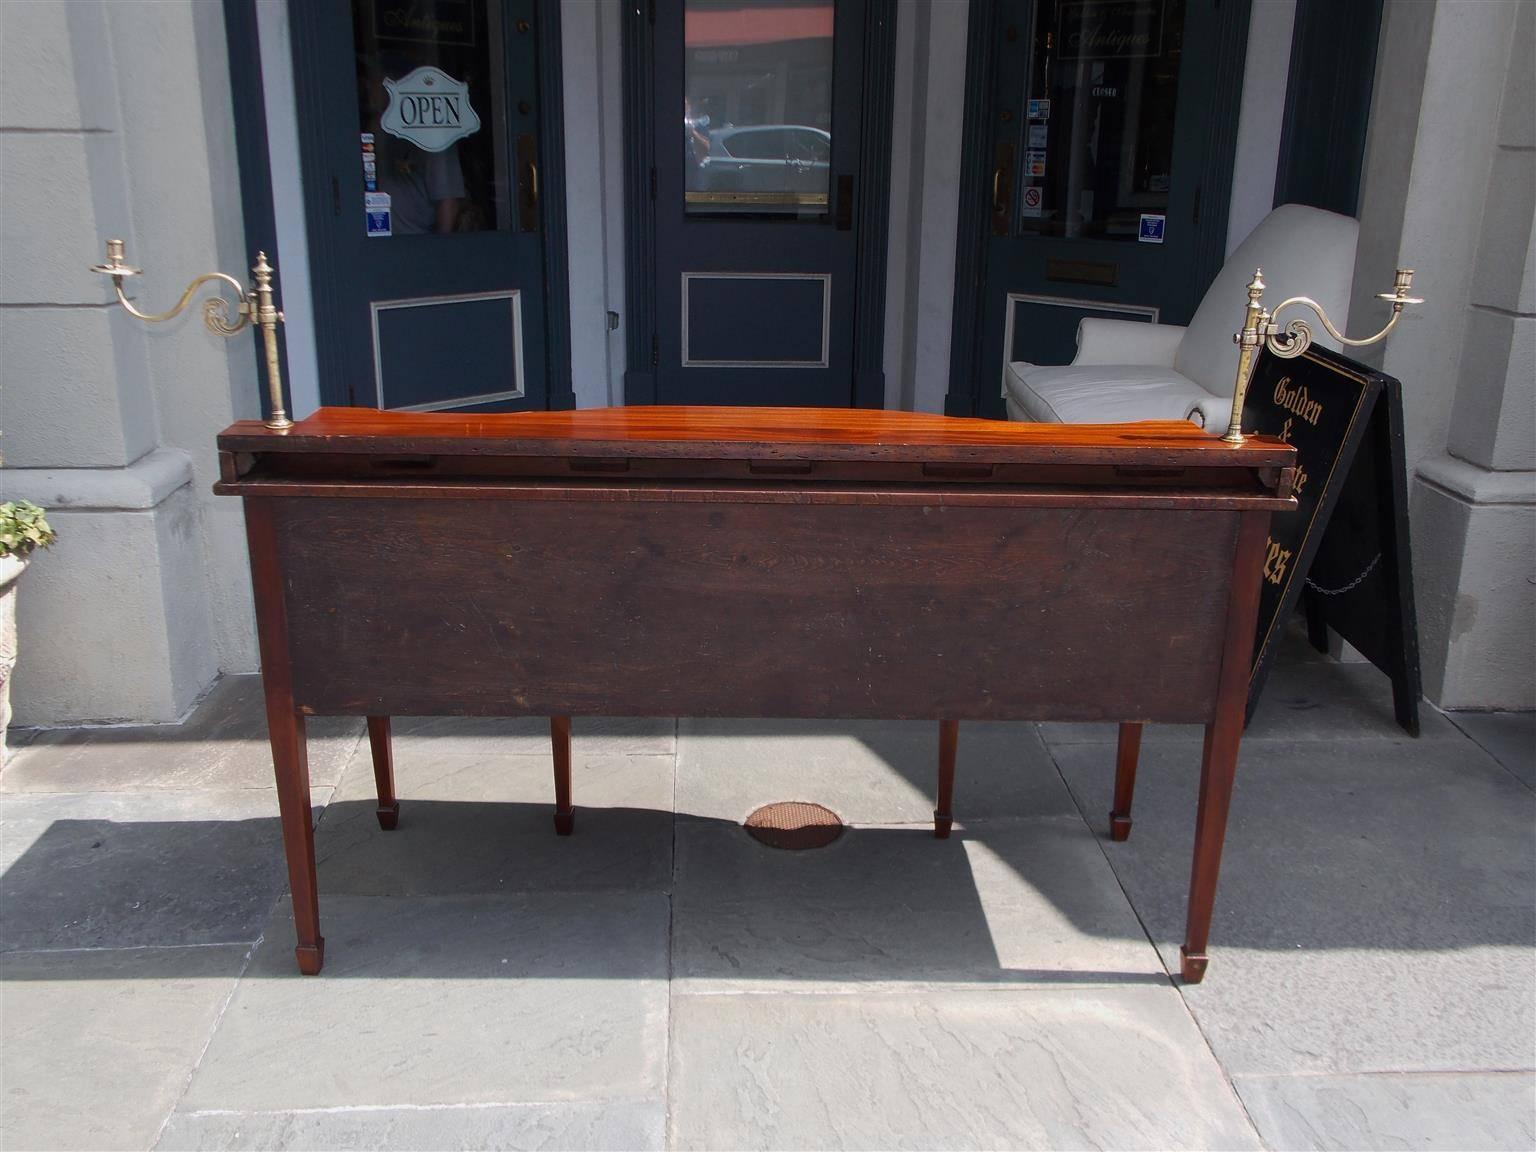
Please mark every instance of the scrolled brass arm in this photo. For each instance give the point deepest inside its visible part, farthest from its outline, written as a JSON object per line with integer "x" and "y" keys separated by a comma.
{"x": 215, "y": 306}
{"x": 1291, "y": 339}
{"x": 254, "y": 307}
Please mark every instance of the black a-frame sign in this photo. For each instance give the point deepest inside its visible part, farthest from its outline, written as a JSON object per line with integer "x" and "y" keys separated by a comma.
{"x": 1343, "y": 553}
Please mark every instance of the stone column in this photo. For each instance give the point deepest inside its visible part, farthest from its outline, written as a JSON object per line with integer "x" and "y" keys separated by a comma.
{"x": 115, "y": 121}
{"x": 1450, "y": 190}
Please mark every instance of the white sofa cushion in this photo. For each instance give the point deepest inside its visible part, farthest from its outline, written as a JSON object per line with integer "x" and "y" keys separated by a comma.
{"x": 1102, "y": 341}
{"x": 1304, "y": 252}
{"x": 1108, "y": 394}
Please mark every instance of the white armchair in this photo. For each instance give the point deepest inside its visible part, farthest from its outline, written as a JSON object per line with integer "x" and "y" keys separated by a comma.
{"x": 1126, "y": 370}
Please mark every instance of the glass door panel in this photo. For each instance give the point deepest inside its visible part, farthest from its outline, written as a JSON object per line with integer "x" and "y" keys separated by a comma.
{"x": 757, "y": 106}
{"x": 432, "y": 117}
{"x": 1099, "y": 102}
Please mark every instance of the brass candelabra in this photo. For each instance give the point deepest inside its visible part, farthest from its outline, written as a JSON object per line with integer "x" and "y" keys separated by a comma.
{"x": 254, "y": 307}
{"x": 1260, "y": 326}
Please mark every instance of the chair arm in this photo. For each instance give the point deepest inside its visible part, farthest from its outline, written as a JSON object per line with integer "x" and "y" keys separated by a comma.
{"x": 1127, "y": 342}
{"x": 1212, "y": 413}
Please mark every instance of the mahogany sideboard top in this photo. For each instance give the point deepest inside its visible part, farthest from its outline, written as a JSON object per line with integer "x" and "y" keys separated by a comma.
{"x": 752, "y": 562}
{"x": 703, "y": 433}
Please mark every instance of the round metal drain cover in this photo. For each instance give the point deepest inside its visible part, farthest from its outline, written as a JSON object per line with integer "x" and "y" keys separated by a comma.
{"x": 794, "y": 824}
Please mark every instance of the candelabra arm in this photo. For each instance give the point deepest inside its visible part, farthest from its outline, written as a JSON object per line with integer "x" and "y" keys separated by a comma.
{"x": 217, "y": 302}
{"x": 254, "y": 306}
{"x": 1291, "y": 339}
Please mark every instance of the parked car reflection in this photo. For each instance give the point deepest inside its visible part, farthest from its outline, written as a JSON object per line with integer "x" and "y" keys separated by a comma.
{"x": 787, "y": 158}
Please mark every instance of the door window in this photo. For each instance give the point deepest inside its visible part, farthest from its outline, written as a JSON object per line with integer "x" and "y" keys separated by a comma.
{"x": 757, "y": 106}
{"x": 1101, "y": 89}
{"x": 432, "y": 117}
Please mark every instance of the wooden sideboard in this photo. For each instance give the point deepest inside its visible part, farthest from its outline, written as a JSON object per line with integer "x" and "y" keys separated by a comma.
{"x": 752, "y": 563}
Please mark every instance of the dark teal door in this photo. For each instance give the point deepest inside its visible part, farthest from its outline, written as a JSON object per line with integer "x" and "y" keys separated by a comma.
{"x": 757, "y": 163}
{"x": 422, "y": 169}
{"x": 1101, "y": 117}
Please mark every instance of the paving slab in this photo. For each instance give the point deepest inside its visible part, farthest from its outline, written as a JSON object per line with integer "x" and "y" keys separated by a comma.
{"x": 449, "y": 1001}
{"x": 617, "y": 1125}
{"x": 868, "y": 772}
{"x": 1020, "y": 902}
{"x": 1374, "y": 912}
{"x": 529, "y": 735}
{"x": 97, "y": 1045}
{"x": 1056, "y": 1068}
{"x": 117, "y": 869}
{"x": 1321, "y": 700}
{"x": 1509, "y": 737}
{"x": 1442, "y": 1111}
{"x": 222, "y": 745}
{"x": 478, "y": 823}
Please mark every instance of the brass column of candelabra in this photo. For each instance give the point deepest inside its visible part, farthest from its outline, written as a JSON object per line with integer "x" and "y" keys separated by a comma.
{"x": 1260, "y": 326}
{"x": 254, "y": 307}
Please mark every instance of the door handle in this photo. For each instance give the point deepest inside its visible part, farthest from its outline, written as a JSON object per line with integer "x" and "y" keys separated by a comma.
{"x": 528, "y": 206}
{"x": 844, "y": 217}
{"x": 1002, "y": 191}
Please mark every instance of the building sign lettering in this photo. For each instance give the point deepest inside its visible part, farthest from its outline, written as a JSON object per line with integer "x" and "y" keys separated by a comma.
{"x": 1110, "y": 29}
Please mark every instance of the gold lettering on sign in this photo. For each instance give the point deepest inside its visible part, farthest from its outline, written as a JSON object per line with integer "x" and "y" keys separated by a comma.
{"x": 419, "y": 22}
{"x": 1301, "y": 481}
{"x": 1296, "y": 400}
{"x": 1276, "y": 560}
{"x": 1103, "y": 40}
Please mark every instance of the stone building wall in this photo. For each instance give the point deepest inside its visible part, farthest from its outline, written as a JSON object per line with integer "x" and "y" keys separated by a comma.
{"x": 115, "y": 121}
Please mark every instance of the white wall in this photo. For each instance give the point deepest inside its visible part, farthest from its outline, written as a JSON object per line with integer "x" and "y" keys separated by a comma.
{"x": 927, "y": 127}
{"x": 594, "y": 193}
{"x": 1261, "y": 116}
{"x": 284, "y": 172}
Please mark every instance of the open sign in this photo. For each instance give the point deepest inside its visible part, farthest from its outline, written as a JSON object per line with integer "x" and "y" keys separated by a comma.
{"x": 429, "y": 108}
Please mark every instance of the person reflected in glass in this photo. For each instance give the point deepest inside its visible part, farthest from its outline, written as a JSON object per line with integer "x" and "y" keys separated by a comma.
{"x": 695, "y": 144}
{"x": 426, "y": 189}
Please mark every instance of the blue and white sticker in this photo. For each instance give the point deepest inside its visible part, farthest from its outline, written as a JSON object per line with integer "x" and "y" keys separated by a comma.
{"x": 1038, "y": 110}
{"x": 1152, "y": 227}
{"x": 1038, "y": 135}
{"x": 376, "y": 209}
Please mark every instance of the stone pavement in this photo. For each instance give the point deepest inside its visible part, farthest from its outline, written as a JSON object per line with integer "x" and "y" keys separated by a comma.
{"x": 659, "y": 979}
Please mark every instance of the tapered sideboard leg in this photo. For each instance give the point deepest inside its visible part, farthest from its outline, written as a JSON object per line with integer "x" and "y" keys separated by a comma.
{"x": 384, "y": 771}
{"x": 1218, "y": 768}
{"x": 560, "y": 742}
{"x": 1218, "y": 759}
{"x": 285, "y": 729}
{"x": 1126, "y": 755}
{"x": 949, "y": 741}
{"x": 290, "y": 761}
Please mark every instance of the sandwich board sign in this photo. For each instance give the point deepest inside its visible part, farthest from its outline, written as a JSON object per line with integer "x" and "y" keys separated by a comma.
{"x": 1343, "y": 553}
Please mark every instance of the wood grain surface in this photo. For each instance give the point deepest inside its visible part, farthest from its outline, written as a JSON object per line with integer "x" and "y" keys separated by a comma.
{"x": 688, "y": 609}
{"x": 750, "y": 434}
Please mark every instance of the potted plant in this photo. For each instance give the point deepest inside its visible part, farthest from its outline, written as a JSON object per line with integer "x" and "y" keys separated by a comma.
{"x": 23, "y": 530}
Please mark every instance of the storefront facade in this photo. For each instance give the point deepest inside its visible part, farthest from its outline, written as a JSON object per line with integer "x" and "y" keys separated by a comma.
{"x": 820, "y": 231}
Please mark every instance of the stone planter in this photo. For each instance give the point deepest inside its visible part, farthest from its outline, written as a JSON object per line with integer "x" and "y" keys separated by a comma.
{"x": 11, "y": 568}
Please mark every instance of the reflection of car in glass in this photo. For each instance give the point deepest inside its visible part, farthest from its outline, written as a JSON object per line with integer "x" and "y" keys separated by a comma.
{"x": 766, "y": 158}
